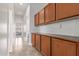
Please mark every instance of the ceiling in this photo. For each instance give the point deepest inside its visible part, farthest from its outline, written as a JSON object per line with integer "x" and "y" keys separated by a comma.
{"x": 20, "y": 9}
{"x": 4, "y": 7}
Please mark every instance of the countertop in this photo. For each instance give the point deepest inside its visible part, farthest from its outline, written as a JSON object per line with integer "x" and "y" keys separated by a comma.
{"x": 63, "y": 37}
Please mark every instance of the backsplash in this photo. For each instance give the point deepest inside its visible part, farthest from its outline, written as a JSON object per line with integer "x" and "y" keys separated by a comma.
{"x": 70, "y": 27}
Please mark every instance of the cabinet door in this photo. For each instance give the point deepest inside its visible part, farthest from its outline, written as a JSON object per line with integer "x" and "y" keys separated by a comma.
{"x": 50, "y": 13}
{"x": 33, "y": 39}
{"x": 63, "y": 48}
{"x": 45, "y": 45}
{"x": 41, "y": 17}
{"x": 65, "y": 10}
{"x": 36, "y": 19}
{"x": 38, "y": 42}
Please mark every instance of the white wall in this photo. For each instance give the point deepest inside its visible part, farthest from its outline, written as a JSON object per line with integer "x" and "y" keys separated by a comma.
{"x": 7, "y": 28}
{"x": 19, "y": 23}
{"x": 64, "y": 28}
{"x": 27, "y": 24}
{"x": 3, "y": 31}
{"x": 11, "y": 29}
{"x": 34, "y": 8}
{"x": 18, "y": 19}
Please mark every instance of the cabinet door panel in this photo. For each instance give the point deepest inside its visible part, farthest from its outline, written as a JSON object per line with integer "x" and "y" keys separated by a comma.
{"x": 64, "y": 10}
{"x": 50, "y": 13}
{"x": 41, "y": 17}
{"x": 64, "y": 48}
{"x": 36, "y": 19}
{"x": 33, "y": 40}
{"x": 38, "y": 42}
{"x": 45, "y": 45}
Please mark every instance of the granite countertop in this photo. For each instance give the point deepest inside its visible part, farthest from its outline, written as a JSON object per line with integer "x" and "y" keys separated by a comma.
{"x": 63, "y": 37}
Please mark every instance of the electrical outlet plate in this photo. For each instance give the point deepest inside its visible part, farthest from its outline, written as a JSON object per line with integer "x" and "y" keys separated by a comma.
{"x": 60, "y": 25}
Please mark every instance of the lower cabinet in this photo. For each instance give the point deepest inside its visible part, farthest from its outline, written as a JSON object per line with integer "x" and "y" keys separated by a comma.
{"x": 54, "y": 46}
{"x": 45, "y": 45}
{"x": 38, "y": 42}
{"x": 63, "y": 48}
{"x": 33, "y": 39}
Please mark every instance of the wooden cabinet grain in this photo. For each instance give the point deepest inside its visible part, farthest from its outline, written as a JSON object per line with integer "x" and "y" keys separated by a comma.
{"x": 50, "y": 13}
{"x": 33, "y": 40}
{"x": 38, "y": 42}
{"x": 45, "y": 45}
{"x": 63, "y": 48}
{"x": 55, "y": 46}
{"x": 65, "y": 10}
{"x": 36, "y": 19}
{"x": 41, "y": 17}
{"x": 56, "y": 11}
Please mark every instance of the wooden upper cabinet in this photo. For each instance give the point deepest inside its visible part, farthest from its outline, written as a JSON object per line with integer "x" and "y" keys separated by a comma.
{"x": 65, "y": 10}
{"x": 33, "y": 40}
{"x": 41, "y": 17}
{"x": 45, "y": 45}
{"x": 37, "y": 19}
{"x": 50, "y": 13}
{"x": 63, "y": 48}
{"x": 38, "y": 42}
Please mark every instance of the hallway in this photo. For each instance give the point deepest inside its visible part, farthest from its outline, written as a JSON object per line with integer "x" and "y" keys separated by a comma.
{"x": 22, "y": 48}
{"x": 14, "y": 27}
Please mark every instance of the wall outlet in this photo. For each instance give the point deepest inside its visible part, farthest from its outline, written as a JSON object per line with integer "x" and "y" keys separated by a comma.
{"x": 60, "y": 26}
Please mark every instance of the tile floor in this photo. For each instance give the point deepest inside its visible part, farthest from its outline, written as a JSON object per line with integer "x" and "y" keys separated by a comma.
{"x": 23, "y": 49}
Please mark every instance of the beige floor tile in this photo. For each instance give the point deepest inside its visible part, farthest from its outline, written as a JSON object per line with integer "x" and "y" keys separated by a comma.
{"x": 23, "y": 49}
